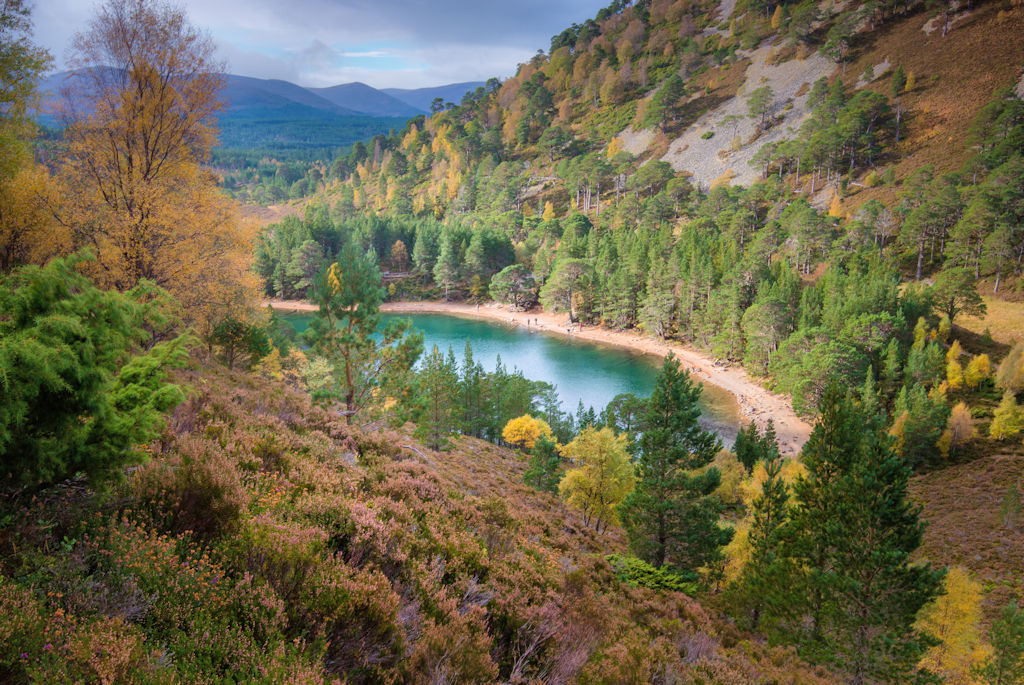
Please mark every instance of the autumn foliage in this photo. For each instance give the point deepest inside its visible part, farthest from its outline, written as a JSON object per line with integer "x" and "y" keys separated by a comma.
{"x": 523, "y": 431}
{"x": 132, "y": 188}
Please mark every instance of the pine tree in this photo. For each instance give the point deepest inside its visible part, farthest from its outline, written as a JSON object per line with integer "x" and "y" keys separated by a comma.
{"x": 438, "y": 417}
{"x": 349, "y": 295}
{"x": 752, "y": 447}
{"x": 1006, "y": 665}
{"x": 671, "y": 518}
{"x": 542, "y": 471}
{"x": 899, "y": 81}
{"x": 446, "y": 270}
{"x": 474, "y": 410}
{"x": 892, "y": 370}
{"x": 869, "y": 401}
{"x": 423, "y": 254}
{"x": 853, "y": 530}
{"x": 760, "y": 587}
{"x": 745, "y": 447}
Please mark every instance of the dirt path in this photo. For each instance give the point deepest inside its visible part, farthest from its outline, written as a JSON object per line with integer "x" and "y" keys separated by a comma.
{"x": 755, "y": 402}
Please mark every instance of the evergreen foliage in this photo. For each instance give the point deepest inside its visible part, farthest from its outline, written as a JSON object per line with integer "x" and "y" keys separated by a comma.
{"x": 752, "y": 447}
{"x": 438, "y": 393}
{"x": 762, "y": 586}
{"x": 542, "y": 470}
{"x": 639, "y": 573}
{"x": 349, "y": 296}
{"x": 80, "y": 386}
{"x": 671, "y": 518}
{"x": 853, "y": 531}
{"x": 1006, "y": 665}
{"x": 239, "y": 342}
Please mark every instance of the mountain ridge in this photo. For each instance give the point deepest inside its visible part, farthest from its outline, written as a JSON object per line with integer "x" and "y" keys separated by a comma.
{"x": 422, "y": 98}
{"x": 353, "y": 99}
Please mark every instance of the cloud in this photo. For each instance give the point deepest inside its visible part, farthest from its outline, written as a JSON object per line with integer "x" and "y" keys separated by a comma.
{"x": 386, "y": 43}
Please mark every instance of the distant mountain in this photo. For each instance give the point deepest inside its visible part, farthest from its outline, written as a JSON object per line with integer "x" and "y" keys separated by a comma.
{"x": 244, "y": 92}
{"x": 420, "y": 98}
{"x": 272, "y": 114}
{"x": 363, "y": 98}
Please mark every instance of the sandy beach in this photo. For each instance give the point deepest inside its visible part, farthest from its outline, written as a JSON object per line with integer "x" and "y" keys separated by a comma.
{"x": 755, "y": 402}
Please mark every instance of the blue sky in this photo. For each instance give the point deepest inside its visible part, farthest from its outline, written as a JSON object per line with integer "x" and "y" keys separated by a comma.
{"x": 385, "y": 43}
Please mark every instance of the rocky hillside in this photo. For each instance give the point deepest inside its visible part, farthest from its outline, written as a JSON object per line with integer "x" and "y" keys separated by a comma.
{"x": 674, "y": 81}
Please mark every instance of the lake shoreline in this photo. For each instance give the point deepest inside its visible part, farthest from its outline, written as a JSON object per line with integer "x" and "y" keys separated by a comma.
{"x": 755, "y": 402}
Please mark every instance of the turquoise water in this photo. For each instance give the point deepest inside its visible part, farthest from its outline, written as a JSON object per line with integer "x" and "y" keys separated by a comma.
{"x": 581, "y": 371}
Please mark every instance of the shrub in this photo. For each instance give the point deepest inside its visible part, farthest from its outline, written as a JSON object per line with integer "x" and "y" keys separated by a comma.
{"x": 639, "y": 573}
{"x": 197, "y": 488}
{"x": 239, "y": 342}
{"x": 21, "y": 630}
{"x": 78, "y": 392}
{"x": 524, "y": 431}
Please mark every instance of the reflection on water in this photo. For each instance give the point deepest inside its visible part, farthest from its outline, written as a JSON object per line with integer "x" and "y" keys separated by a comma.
{"x": 582, "y": 371}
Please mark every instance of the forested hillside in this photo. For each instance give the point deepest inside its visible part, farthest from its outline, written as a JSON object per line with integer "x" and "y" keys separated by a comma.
{"x": 828, "y": 194}
{"x": 573, "y": 172}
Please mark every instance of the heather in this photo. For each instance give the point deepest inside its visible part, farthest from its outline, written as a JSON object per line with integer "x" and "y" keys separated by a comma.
{"x": 266, "y": 539}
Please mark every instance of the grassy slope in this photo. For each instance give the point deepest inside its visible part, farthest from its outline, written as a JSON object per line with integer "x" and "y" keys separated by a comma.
{"x": 966, "y": 527}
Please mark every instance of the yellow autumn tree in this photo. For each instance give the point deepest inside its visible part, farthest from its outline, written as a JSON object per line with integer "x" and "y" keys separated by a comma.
{"x": 549, "y": 212}
{"x": 954, "y": 351}
{"x": 978, "y": 370}
{"x": 602, "y": 477}
{"x": 953, "y": 619}
{"x": 777, "y": 17}
{"x": 954, "y": 374}
{"x": 945, "y": 330}
{"x": 139, "y": 120}
{"x": 1010, "y": 375}
{"x": 737, "y": 553}
{"x": 835, "y": 209}
{"x": 523, "y": 431}
{"x": 898, "y": 431}
{"x": 1008, "y": 419}
{"x": 614, "y": 147}
{"x": 29, "y": 234}
{"x": 959, "y": 429}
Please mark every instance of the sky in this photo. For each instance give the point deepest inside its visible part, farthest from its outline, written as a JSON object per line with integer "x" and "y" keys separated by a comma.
{"x": 384, "y": 43}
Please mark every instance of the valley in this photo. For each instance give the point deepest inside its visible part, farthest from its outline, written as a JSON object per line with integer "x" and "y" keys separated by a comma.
{"x": 683, "y": 346}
